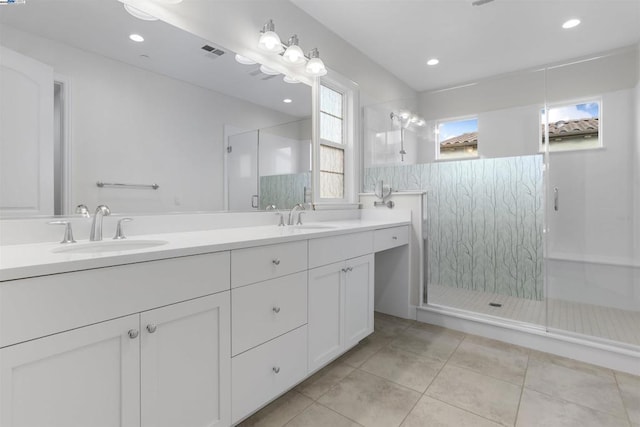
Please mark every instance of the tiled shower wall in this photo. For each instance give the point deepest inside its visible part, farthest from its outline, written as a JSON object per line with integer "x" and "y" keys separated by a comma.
{"x": 284, "y": 191}
{"x": 483, "y": 225}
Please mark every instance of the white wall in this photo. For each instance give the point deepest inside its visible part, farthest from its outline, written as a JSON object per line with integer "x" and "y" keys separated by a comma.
{"x": 133, "y": 126}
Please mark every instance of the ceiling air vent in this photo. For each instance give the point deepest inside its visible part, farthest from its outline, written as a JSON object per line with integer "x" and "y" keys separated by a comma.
{"x": 212, "y": 52}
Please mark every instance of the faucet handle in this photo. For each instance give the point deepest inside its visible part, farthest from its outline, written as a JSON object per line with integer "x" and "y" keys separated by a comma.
{"x": 68, "y": 233}
{"x": 281, "y": 224}
{"x": 300, "y": 217}
{"x": 83, "y": 210}
{"x": 119, "y": 233}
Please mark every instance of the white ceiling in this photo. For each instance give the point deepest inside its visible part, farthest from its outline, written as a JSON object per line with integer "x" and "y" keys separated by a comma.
{"x": 103, "y": 27}
{"x": 473, "y": 42}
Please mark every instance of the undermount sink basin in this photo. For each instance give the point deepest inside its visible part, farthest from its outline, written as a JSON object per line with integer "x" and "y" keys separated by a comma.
{"x": 108, "y": 246}
{"x": 314, "y": 227}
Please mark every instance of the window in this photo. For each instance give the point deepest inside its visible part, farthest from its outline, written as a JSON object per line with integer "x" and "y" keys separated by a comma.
{"x": 574, "y": 126}
{"x": 457, "y": 139}
{"x": 332, "y": 144}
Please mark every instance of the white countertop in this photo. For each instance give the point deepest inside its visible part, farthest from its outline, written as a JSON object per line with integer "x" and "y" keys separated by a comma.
{"x": 38, "y": 259}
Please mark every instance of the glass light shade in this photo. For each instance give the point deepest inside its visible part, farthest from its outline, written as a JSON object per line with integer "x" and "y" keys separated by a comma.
{"x": 290, "y": 80}
{"x": 244, "y": 60}
{"x": 270, "y": 42}
{"x": 315, "y": 67}
{"x": 138, "y": 13}
{"x": 294, "y": 55}
{"x": 267, "y": 70}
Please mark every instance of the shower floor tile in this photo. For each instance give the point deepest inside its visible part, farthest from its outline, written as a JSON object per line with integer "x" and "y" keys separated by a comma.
{"x": 598, "y": 321}
{"x": 376, "y": 390}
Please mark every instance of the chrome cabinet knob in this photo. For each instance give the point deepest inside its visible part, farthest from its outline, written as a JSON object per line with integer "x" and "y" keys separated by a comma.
{"x": 151, "y": 328}
{"x": 276, "y": 369}
{"x": 276, "y": 309}
{"x": 394, "y": 238}
{"x": 276, "y": 261}
{"x": 133, "y": 333}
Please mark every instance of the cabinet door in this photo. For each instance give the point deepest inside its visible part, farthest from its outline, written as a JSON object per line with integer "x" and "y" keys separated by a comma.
{"x": 325, "y": 314}
{"x": 85, "y": 377}
{"x": 186, "y": 363}
{"x": 359, "y": 298}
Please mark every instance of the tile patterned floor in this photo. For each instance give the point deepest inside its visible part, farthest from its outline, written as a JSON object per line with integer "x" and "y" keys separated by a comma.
{"x": 598, "y": 321}
{"x": 412, "y": 374}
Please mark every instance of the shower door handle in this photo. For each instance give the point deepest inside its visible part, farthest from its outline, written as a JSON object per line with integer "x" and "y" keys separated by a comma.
{"x": 254, "y": 201}
{"x": 556, "y": 199}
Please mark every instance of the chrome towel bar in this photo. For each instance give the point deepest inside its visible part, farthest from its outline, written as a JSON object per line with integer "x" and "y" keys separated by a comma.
{"x": 119, "y": 185}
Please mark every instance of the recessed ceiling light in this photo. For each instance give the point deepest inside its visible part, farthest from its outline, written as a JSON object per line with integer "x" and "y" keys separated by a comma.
{"x": 433, "y": 61}
{"x": 571, "y": 23}
{"x": 287, "y": 101}
{"x": 136, "y": 38}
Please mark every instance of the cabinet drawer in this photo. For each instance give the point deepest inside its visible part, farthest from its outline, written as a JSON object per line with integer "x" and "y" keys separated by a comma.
{"x": 388, "y": 238}
{"x": 267, "y": 262}
{"x": 39, "y": 306}
{"x": 264, "y": 310}
{"x": 264, "y": 372}
{"x": 327, "y": 250}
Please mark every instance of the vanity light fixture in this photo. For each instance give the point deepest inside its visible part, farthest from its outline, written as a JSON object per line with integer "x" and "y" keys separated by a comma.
{"x": 269, "y": 39}
{"x": 315, "y": 67}
{"x": 291, "y": 52}
{"x": 290, "y": 80}
{"x": 571, "y": 23}
{"x": 244, "y": 60}
{"x": 137, "y": 13}
{"x": 287, "y": 101}
{"x": 267, "y": 70}
{"x": 136, "y": 38}
{"x": 433, "y": 61}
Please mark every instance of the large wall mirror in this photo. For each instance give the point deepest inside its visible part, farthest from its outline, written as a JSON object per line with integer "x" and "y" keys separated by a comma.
{"x": 84, "y": 104}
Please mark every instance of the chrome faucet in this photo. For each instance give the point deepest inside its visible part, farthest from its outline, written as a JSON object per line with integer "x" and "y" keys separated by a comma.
{"x": 96, "y": 225}
{"x": 292, "y": 211}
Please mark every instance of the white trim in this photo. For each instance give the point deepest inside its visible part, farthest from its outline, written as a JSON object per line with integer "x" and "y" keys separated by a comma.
{"x": 621, "y": 358}
{"x": 351, "y": 145}
{"x": 66, "y": 144}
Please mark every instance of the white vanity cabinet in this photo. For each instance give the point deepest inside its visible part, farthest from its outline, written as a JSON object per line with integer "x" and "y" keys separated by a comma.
{"x": 341, "y": 296}
{"x": 163, "y": 366}
{"x": 85, "y": 377}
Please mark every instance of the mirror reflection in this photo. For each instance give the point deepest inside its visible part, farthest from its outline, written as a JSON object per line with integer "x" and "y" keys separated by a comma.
{"x": 84, "y": 103}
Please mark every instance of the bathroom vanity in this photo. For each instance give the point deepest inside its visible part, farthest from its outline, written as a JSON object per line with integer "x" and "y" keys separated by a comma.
{"x": 202, "y": 330}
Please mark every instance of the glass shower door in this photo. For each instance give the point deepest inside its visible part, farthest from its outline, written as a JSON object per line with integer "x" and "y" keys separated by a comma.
{"x": 593, "y": 198}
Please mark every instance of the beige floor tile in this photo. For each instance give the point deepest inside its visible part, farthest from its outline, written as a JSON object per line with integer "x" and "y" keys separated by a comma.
{"x": 629, "y": 386}
{"x": 404, "y": 368}
{"x": 575, "y": 385}
{"x": 390, "y": 326}
{"x": 537, "y": 409}
{"x": 370, "y": 400}
{"x": 433, "y": 413}
{"x": 486, "y": 396}
{"x": 437, "y": 344}
{"x": 319, "y": 416}
{"x": 279, "y": 412}
{"x": 493, "y": 358}
{"x": 318, "y": 384}
{"x": 365, "y": 349}
{"x": 570, "y": 363}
